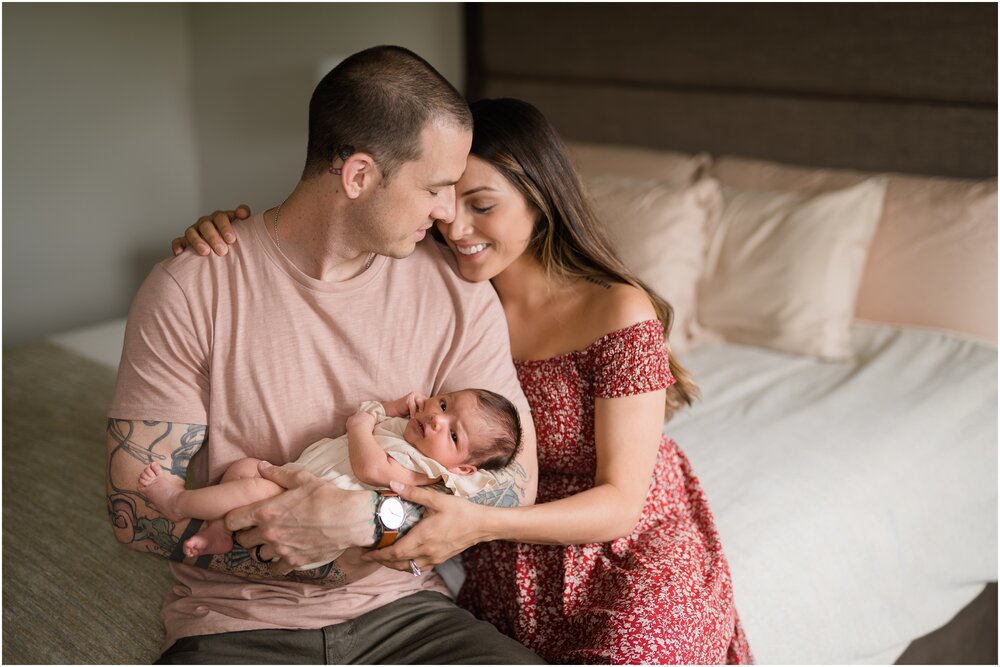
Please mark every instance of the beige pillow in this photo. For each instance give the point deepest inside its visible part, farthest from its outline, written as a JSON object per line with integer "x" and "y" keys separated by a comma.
{"x": 659, "y": 232}
{"x": 745, "y": 174}
{"x": 782, "y": 269}
{"x": 933, "y": 261}
{"x": 642, "y": 163}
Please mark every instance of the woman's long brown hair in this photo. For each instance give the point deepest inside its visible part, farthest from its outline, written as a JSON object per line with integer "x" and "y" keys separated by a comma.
{"x": 569, "y": 240}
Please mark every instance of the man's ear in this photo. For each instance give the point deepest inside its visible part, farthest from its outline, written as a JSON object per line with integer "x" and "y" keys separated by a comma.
{"x": 464, "y": 469}
{"x": 358, "y": 175}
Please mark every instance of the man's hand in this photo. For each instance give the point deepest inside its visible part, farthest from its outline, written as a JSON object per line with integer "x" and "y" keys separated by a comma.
{"x": 308, "y": 523}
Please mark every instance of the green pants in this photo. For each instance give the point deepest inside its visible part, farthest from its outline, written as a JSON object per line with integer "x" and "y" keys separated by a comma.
{"x": 424, "y": 628}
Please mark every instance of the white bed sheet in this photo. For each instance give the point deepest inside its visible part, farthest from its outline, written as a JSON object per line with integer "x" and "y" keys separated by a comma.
{"x": 857, "y": 501}
{"x": 101, "y": 342}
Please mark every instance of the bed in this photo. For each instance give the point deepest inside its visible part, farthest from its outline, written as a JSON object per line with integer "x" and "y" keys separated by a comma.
{"x": 835, "y": 513}
{"x": 849, "y": 531}
{"x": 847, "y": 434}
{"x": 813, "y": 187}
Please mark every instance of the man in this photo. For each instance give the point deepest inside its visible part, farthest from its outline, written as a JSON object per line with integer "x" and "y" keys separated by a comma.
{"x": 266, "y": 350}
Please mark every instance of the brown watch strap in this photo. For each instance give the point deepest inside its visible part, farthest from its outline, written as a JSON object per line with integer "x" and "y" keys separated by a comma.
{"x": 388, "y": 536}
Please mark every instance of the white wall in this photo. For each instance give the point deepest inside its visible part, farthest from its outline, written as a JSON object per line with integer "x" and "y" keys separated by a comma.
{"x": 123, "y": 122}
{"x": 257, "y": 66}
{"x": 98, "y": 154}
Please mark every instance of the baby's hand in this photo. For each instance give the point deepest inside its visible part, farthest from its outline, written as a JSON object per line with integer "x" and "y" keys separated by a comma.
{"x": 361, "y": 420}
{"x": 414, "y": 403}
{"x": 406, "y": 406}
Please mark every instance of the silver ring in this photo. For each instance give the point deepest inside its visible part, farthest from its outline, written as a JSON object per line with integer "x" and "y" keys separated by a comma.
{"x": 414, "y": 569}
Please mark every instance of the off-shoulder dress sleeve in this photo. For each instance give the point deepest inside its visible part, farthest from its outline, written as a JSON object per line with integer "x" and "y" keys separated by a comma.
{"x": 631, "y": 361}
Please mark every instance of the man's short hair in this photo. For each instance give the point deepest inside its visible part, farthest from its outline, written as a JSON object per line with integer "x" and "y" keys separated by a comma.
{"x": 378, "y": 101}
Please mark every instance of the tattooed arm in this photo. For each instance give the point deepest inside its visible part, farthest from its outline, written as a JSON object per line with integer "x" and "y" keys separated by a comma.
{"x": 134, "y": 444}
{"x": 166, "y": 369}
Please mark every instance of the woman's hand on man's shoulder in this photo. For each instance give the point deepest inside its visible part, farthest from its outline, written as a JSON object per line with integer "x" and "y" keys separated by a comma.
{"x": 211, "y": 233}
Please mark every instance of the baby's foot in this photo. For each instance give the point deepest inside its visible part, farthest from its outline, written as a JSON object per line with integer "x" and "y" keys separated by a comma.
{"x": 213, "y": 539}
{"x": 161, "y": 490}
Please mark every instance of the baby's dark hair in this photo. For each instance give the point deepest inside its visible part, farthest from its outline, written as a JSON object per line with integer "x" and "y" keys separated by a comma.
{"x": 506, "y": 435}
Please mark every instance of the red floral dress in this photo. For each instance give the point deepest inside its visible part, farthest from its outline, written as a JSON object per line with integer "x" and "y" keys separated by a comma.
{"x": 659, "y": 595}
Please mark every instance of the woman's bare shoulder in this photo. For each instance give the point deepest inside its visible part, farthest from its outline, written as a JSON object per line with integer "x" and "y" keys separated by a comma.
{"x": 617, "y": 306}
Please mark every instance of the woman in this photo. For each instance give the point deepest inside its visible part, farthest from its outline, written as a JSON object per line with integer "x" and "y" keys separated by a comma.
{"x": 619, "y": 561}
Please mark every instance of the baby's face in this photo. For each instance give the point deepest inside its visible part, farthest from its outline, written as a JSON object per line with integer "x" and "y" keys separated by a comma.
{"x": 447, "y": 428}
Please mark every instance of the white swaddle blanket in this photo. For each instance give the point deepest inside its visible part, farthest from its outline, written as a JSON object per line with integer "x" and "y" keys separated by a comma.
{"x": 329, "y": 459}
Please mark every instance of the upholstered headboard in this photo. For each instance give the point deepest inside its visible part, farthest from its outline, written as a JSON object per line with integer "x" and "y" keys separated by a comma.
{"x": 900, "y": 87}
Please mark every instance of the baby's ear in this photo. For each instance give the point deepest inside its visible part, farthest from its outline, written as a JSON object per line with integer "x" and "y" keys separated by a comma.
{"x": 464, "y": 469}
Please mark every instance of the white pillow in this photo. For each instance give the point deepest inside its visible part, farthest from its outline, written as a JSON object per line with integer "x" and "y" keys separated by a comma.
{"x": 783, "y": 269}
{"x": 658, "y": 230}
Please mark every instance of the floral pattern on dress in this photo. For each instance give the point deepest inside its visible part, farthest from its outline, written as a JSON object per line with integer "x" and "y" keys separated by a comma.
{"x": 661, "y": 594}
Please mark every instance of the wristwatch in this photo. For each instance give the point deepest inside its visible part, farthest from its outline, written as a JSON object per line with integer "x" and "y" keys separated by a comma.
{"x": 389, "y": 515}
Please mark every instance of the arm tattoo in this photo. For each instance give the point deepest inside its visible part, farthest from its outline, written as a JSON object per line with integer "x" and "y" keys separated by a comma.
{"x": 240, "y": 563}
{"x": 144, "y": 441}
{"x": 328, "y": 575}
{"x": 122, "y": 432}
{"x": 191, "y": 442}
{"x": 415, "y": 512}
{"x": 509, "y": 489}
{"x": 157, "y": 533}
{"x": 507, "y": 493}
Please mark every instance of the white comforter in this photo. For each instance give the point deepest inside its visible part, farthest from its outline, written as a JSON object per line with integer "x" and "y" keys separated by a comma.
{"x": 857, "y": 502}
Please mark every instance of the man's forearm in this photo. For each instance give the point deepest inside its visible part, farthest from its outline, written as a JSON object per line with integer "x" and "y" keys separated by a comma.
{"x": 163, "y": 533}
{"x": 134, "y": 444}
{"x": 239, "y": 562}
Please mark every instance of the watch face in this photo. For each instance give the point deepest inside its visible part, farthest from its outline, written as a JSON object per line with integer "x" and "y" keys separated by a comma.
{"x": 391, "y": 513}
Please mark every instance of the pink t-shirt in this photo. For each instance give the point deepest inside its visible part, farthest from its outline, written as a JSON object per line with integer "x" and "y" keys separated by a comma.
{"x": 273, "y": 360}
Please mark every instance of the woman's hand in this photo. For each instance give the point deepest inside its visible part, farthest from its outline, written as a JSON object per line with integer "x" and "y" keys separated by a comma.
{"x": 211, "y": 233}
{"x": 450, "y": 526}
